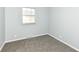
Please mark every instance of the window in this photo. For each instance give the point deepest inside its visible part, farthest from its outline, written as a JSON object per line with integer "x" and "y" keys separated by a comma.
{"x": 28, "y": 15}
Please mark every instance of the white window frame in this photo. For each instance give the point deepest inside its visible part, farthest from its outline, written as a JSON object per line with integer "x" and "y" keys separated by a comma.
{"x": 28, "y": 15}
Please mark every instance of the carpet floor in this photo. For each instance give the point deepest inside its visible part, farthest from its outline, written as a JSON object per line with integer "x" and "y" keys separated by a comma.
{"x": 38, "y": 44}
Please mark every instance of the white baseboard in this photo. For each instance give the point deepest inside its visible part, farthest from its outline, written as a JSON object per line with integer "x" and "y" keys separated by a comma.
{"x": 2, "y": 46}
{"x": 37, "y": 36}
{"x": 64, "y": 42}
{"x": 20, "y": 39}
{"x": 24, "y": 38}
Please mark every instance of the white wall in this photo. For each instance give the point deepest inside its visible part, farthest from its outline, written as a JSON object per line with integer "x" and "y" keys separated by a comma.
{"x": 60, "y": 22}
{"x": 14, "y": 24}
{"x": 2, "y": 26}
{"x": 64, "y": 24}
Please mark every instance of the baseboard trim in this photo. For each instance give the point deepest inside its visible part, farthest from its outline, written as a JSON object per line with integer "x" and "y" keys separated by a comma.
{"x": 64, "y": 42}
{"x": 20, "y": 39}
{"x": 2, "y": 46}
{"x": 25, "y": 38}
{"x": 37, "y": 36}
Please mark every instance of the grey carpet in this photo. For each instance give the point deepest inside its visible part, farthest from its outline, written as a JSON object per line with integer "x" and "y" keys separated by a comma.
{"x": 38, "y": 44}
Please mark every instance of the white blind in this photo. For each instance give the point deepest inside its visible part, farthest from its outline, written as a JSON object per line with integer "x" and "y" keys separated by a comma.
{"x": 28, "y": 15}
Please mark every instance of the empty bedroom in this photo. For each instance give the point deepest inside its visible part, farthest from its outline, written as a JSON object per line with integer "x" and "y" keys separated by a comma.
{"x": 39, "y": 29}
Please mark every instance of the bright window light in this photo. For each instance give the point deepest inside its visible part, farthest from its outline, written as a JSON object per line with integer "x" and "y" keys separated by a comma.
{"x": 28, "y": 15}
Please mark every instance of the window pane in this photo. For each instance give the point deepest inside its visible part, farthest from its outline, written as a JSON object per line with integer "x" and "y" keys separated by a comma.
{"x": 28, "y": 11}
{"x": 28, "y": 19}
